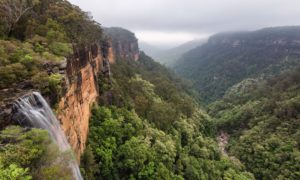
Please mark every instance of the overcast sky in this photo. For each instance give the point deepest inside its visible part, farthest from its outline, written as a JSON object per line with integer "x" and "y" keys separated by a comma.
{"x": 167, "y": 23}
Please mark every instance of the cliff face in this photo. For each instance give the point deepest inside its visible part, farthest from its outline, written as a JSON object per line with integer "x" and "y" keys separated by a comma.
{"x": 81, "y": 81}
{"x": 80, "y": 88}
{"x": 74, "y": 109}
{"x": 279, "y": 39}
{"x": 124, "y": 43}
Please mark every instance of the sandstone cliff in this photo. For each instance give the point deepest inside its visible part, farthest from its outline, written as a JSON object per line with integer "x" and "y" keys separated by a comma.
{"x": 81, "y": 81}
{"x": 124, "y": 43}
{"x": 80, "y": 73}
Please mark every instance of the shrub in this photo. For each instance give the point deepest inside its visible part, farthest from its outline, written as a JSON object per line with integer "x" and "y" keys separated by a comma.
{"x": 27, "y": 153}
{"x": 55, "y": 88}
{"x": 41, "y": 82}
{"x": 27, "y": 61}
{"x": 12, "y": 73}
{"x": 60, "y": 49}
{"x": 17, "y": 55}
{"x": 13, "y": 171}
{"x": 39, "y": 48}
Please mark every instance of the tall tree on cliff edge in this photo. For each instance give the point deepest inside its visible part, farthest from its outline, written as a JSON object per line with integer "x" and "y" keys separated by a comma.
{"x": 12, "y": 11}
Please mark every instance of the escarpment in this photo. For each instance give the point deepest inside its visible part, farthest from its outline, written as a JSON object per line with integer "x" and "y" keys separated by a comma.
{"x": 80, "y": 73}
{"x": 124, "y": 43}
{"x": 82, "y": 91}
{"x": 82, "y": 70}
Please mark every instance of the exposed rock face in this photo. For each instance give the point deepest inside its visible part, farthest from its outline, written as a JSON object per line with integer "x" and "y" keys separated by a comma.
{"x": 82, "y": 91}
{"x": 124, "y": 43}
{"x": 279, "y": 38}
{"x": 81, "y": 87}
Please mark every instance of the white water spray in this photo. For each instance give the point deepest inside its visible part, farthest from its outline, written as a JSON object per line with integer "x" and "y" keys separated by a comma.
{"x": 38, "y": 114}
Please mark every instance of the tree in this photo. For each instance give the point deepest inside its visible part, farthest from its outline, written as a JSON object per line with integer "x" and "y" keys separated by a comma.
{"x": 88, "y": 164}
{"x": 13, "y": 171}
{"x": 11, "y": 12}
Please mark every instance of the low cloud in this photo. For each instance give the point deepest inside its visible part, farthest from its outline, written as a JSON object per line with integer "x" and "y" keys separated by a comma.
{"x": 190, "y": 17}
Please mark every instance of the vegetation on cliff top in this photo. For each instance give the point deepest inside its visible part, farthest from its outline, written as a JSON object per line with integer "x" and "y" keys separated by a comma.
{"x": 36, "y": 36}
{"x": 148, "y": 124}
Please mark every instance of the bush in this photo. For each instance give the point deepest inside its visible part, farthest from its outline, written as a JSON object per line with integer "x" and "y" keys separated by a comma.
{"x": 31, "y": 153}
{"x": 17, "y": 55}
{"x": 27, "y": 61}
{"x": 12, "y": 73}
{"x": 14, "y": 172}
{"x": 60, "y": 49}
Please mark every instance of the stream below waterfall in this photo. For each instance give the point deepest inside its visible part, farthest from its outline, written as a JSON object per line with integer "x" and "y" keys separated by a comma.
{"x": 223, "y": 139}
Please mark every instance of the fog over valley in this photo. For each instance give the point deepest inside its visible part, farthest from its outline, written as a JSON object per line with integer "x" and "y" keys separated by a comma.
{"x": 168, "y": 23}
{"x": 150, "y": 89}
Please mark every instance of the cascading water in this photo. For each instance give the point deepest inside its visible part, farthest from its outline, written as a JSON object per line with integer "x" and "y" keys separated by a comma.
{"x": 36, "y": 113}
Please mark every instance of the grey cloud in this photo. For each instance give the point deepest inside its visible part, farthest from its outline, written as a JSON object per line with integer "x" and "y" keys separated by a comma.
{"x": 193, "y": 16}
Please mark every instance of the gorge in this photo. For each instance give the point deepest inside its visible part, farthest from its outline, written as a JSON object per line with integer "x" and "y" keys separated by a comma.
{"x": 82, "y": 101}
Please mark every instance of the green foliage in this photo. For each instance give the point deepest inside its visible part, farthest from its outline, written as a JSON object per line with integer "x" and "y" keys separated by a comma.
{"x": 125, "y": 146}
{"x": 228, "y": 58}
{"x": 37, "y": 33}
{"x": 88, "y": 164}
{"x": 150, "y": 133}
{"x": 14, "y": 172}
{"x": 30, "y": 154}
{"x": 60, "y": 49}
{"x": 264, "y": 125}
{"x": 11, "y": 74}
{"x": 22, "y": 61}
{"x": 27, "y": 61}
{"x": 151, "y": 89}
{"x": 49, "y": 85}
{"x": 54, "y": 82}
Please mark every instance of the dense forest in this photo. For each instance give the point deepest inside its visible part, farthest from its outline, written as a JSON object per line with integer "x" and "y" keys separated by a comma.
{"x": 151, "y": 129}
{"x": 263, "y": 121}
{"x": 148, "y": 122}
{"x": 228, "y": 58}
{"x": 249, "y": 84}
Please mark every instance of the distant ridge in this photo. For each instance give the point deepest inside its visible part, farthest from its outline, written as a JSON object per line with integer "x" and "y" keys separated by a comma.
{"x": 228, "y": 58}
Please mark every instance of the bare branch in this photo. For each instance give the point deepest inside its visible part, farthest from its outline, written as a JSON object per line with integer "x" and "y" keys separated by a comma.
{"x": 12, "y": 11}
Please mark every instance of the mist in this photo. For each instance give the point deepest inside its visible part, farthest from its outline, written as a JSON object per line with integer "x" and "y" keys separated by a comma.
{"x": 167, "y": 23}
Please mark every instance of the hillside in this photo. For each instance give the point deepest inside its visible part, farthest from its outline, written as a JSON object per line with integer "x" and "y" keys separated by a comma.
{"x": 114, "y": 110}
{"x": 80, "y": 101}
{"x": 263, "y": 121}
{"x": 228, "y": 58}
{"x": 148, "y": 127}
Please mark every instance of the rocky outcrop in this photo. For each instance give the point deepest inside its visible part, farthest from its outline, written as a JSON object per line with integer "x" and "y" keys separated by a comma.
{"x": 124, "y": 43}
{"x": 74, "y": 108}
{"x": 80, "y": 73}
{"x": 286, "y": 39}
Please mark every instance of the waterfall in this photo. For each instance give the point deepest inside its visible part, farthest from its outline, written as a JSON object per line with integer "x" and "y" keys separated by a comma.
{"x": 36, "y": 113}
